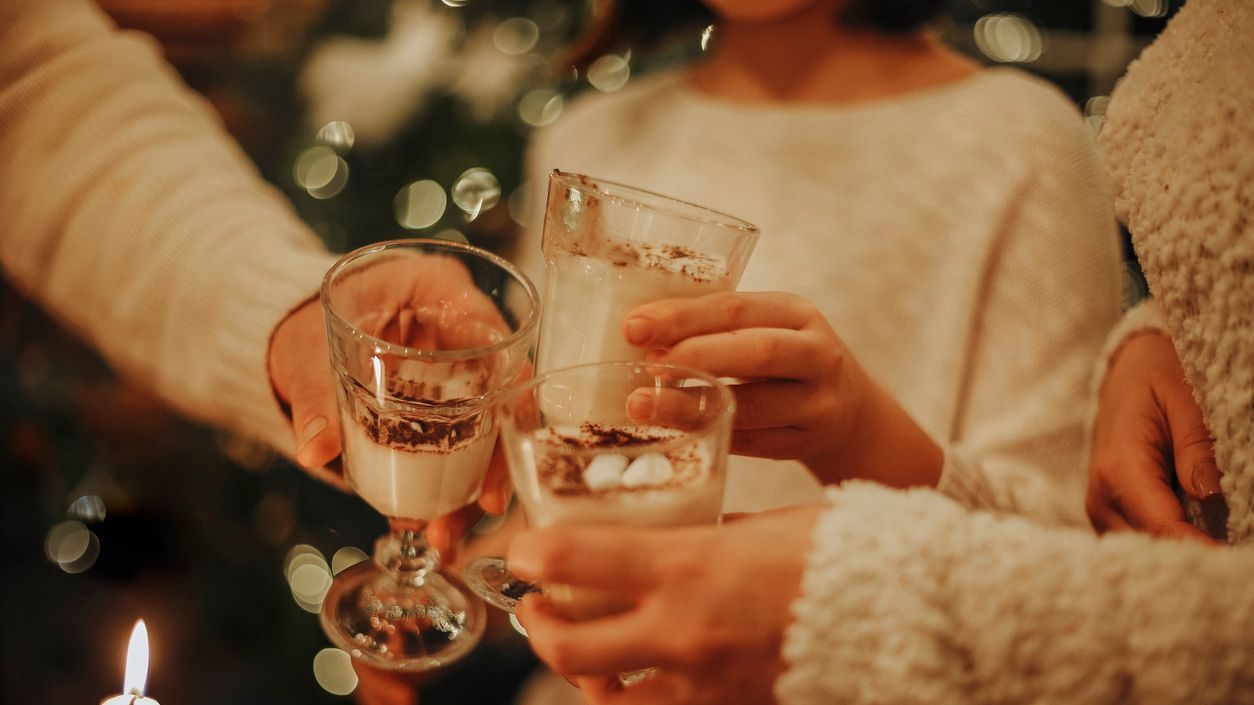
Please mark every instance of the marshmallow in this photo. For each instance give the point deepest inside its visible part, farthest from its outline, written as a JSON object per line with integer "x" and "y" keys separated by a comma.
{"x": 605, "y": 472}
{"x": 648, "y": 469}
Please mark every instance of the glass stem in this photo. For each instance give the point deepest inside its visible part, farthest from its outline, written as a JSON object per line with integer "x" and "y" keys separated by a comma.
{"x": 404, "y": 552}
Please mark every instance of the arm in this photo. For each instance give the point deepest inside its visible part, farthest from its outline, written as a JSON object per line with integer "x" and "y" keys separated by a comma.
{"x": 895, "y": 597}
{"x": 131, "y": 215}
{"x": 1003, "y": 611}
{"x": 1050, "y": 295}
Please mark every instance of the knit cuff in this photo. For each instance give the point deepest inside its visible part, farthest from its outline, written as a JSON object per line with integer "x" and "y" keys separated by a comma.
{"x": 263, "y": 292}
{"x": 868, "y": 627}
{"x": 964, "y": 483}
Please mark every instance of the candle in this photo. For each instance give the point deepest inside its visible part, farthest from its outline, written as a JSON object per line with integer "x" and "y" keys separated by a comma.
{"x": 136, "y": 671}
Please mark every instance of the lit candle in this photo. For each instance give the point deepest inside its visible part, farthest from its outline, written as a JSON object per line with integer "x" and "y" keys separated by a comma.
{"x": 136, "y": 671}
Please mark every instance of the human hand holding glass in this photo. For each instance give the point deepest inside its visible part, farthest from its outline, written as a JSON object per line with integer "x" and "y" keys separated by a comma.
{"x": 419, "y": 363}
{"x": 578, "y": 457}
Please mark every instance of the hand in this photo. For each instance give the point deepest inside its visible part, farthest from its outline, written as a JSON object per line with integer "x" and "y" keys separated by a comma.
{"x": 1149, "y": 430}
{"x": 710, "y": 607}
{"x": 804, "y": 396}
{"x": 300, "y": 367}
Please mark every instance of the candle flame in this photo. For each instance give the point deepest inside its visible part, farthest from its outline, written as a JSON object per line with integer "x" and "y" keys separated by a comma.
{"x": 136, "y": 661}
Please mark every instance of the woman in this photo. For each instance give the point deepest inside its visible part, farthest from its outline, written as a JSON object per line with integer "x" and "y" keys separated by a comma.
{"x": 947, "y": 221}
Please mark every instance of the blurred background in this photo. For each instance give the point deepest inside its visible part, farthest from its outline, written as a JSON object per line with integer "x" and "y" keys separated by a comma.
{"x": 378, "y": 119}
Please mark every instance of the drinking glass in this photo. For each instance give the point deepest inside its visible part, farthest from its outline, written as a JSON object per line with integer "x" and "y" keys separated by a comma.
{"x": 425, "y": 335}
{"x": 610, "y": 443}
{"x": 609, "y": 248}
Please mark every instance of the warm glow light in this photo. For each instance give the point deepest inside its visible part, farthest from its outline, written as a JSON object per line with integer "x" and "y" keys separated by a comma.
{"x": 136, "y": 661}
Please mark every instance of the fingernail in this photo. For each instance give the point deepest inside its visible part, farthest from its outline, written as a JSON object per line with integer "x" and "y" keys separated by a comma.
{"x": 1206, "y": 480}
{"x": 310, "y": 431}
{"x": 640, "y": 405}
{"x": 639, "y": 331}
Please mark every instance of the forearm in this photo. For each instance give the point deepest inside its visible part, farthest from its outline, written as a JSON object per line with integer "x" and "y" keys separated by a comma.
{"x": 132, "y": 216}
{"x": 910, "y": 599}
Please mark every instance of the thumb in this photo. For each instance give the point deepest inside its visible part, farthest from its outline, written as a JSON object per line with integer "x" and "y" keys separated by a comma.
{"x": 314, "y": 417}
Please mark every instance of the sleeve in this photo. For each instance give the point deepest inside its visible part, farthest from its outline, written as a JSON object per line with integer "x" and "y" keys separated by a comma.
{"x": 1051, "y": 294}
{"x": 132, "y": 217}
{"x": 908, "y": 598}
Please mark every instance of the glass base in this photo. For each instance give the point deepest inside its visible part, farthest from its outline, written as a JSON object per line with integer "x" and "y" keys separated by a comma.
{"x": 490, "y": 579}
{"x": 401, "y": 627}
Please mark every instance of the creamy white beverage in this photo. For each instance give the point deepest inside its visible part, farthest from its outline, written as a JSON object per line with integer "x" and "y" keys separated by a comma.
{"x": 587, "y": 296}
{"x": 622, "y": 475}
{"x": 416, "y": 480}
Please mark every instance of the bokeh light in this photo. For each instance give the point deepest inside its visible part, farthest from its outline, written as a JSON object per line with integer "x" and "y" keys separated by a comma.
{"x": 321, "y": 172}
{"x": 516, "y": 36}
{"x": 609, "y": 73}
{"x": 706, "y": 35}
{"x": 540, "y": 107}
{"x": 338, "y": 135}
{"x": 452, "y": 235}
{"x": 89, "y": 507}
{"x": 519, "y": 205}
{"x": 1009, "y": 38}
{"x": 308, "y": 576}
{"x": 1095, "y": 112}
{"x": 346, "y": 558}
{"x": 1148, "y": 8}
{"x": 72, "y": 546}
{"x": 420, "y": 205}
{"x": 333, "y": 669}
{"x": 475, "y": 191}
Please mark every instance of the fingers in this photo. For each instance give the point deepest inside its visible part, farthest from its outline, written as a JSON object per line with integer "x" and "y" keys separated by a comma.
{"x": 610, "y": 645}
{"x": 749, "y": 353}
{"x": 759, "y": 405}
{"x": 606, "y": 557}
{"x": 661, "y": 324}
{"x": 1150, "y": 505}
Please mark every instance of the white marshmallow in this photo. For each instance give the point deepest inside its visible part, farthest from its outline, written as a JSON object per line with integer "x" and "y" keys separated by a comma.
{"x": 605, "y": 472}
{"x": 648, "y": 469}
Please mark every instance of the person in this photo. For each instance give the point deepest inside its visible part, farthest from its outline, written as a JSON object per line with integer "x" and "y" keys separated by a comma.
{"x": 909, "y": 597}
{"x": 942, "y": 228}
{"x": 137, "y": 222}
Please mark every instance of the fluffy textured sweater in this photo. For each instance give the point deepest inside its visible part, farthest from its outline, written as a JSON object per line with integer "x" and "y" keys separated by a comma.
{"x": 132, "y": 216}
{"x": 910, "y": 598}
{"x": 959, "y": 239}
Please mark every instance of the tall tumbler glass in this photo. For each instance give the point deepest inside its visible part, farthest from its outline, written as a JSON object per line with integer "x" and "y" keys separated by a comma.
{"x": 425, "y": 336}
{"x": 609, "y": 248}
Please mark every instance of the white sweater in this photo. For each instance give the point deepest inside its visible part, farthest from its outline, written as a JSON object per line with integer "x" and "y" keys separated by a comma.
{"x": 130, "y": 215}
{"x": 908, "y": 598}
{"x": 959, "y": 240}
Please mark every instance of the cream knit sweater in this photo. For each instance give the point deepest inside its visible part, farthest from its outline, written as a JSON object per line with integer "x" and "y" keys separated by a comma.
{"x": 959, "y": 240}
{"x": 910, "y": 598}
{"x": 129, "y": 213}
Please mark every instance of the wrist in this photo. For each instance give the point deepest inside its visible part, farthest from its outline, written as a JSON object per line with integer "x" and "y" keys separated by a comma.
{"x": 884, "y": 444}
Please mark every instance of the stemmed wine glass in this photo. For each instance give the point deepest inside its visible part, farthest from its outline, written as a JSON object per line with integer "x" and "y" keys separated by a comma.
{"x": 425, "y": 336}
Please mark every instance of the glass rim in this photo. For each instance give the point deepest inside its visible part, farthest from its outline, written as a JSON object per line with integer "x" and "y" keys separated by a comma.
{"x": 726, "y": 400}
{"x": 584, "y": 182}
{"x": 382, "y": 346}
